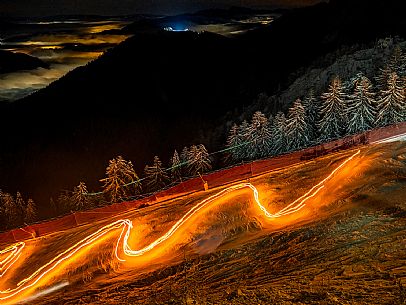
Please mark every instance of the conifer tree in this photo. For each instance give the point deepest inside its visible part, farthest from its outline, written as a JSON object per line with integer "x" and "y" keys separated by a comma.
{"x": 259, "y": 136}
{"x": 391, "y": 105}
{"x": 176, "y": 167}
{"x": 333, "y": 109}
{"x": 80, "y": 199}
{"x": 361, "y": 107}
{"x": 395, "y": 63}
{"x": 279, "y": 132}
{"x": 234, "y": 142}
{"x": 65, "y": 201}
{"x": 30, "y": 214}
{"x": 121, "y": 181}
{"x": 271, "y": 120}
{"x": 156, "y": 176}
{"x": 184, "y": 155}
{"x": 20, "y": 204}
{"x": 312, "y": 108}
{"x": 298, "y": 134}
{"x": 10, "y": 211}
{"x": 199, "y": 159}
{"x": 243, "y": 132}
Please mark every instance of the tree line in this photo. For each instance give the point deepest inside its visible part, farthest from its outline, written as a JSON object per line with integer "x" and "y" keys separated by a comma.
{"x": 123, "y": 183}
{"x": 15, "y": 211}
{"x": 344, "y": 108}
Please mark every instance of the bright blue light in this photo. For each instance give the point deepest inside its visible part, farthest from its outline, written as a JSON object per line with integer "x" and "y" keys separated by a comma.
{"x": 176, "y": 28}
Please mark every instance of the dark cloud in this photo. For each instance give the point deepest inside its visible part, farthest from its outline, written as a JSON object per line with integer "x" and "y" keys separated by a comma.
{"x": 120, "y": 7}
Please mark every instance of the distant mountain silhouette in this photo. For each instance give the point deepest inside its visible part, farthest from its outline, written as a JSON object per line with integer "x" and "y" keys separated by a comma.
{"x": 11, "y": 62}
{"x": 159, "y": 91}
{"x": 184, "y": 21}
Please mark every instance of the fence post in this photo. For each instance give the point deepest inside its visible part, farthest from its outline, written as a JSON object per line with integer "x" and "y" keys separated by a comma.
{"x": 74, "y": 217}
{"x": 14, "y": 237}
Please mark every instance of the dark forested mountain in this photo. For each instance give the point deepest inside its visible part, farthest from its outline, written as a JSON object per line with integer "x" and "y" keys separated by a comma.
{"x": 11, "y": 62}
{"x": 163, "y": 90}
{"x": 189, "y": 20}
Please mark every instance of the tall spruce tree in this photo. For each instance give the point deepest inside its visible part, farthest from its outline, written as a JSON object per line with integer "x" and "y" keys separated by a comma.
{"x": 80, "y": 199}
{"x": 64, "y": 201}
{"x": 176, "y": 167}
{"x": 243, "y": 132}
{"x": 361, "y": 107}
{"x": 10, "y": 211}
{"x": 156, "y": 176}
{"x": 312, "y": 108}
{"x": 20, "y": 204}
{"x": 333, "y": 110}
{"x": 199, "y": 160}
{"x": 30, "y": 214}
{"x": 392, "y": 104}
{"x": 234, "y": 144}
{"x": 298, "y": 133}
{"x": 121, "y": 181}
{"x": 279, "y": 132}
{"x": 395, "y": 63}
{"x": 259, "y": 136}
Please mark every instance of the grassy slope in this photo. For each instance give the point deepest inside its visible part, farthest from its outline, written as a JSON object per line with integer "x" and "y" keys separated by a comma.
{"x": 346, "y": 248}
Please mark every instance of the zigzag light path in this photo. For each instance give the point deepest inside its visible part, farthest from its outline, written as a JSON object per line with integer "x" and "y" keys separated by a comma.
{"x": 10, "y": 255}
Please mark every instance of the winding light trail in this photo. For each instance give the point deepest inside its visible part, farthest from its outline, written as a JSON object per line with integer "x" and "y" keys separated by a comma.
{"x": 12, "y": 253}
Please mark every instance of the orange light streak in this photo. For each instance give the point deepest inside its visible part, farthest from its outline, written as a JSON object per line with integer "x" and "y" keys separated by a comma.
{"x": 126, "y": 226}
{"x": 15, "y": 252}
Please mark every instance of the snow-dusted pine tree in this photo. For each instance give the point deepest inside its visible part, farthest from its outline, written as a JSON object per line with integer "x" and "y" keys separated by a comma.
{"x": 259, "y": 136}
{"x": 184, "y": 159}
{"x": 199, "y": 160}
{"x": 80, "y": 199}
{"x": 176, "y": 167}
{"x": 184, "y": 155}
{"x": 156, "y": 176}
{"x": 361, "y": 107}
{"x": 30, "y": 214}
{"x": 279, "y": 132}
{"x": 270, "y": 120}
{"x": 395, "y": 63}
{"x": 333, "y": 110}
{"x": 20, "y": 204}
{"x": 10, "y": 211}
{"x": 233, "y": 145}
{"x": 312, "y": 108}
{"x": 243, "y": 131}
{"x": 64, "y": 201}
{"x": 121, "y": 181}
{"x": 391, "y": 105}
{"x": 297, "y": 129}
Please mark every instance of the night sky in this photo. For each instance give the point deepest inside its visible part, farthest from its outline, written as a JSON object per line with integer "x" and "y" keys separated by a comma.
{"x": 13, "y": 8}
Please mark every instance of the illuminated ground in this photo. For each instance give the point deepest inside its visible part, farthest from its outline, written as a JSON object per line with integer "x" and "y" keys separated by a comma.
{"x": 346, "y": 246}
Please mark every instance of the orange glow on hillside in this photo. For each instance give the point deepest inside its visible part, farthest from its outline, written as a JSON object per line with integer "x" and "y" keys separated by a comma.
{"x": 46, "y": 274}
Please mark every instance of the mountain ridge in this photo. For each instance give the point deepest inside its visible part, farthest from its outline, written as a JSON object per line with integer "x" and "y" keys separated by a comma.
{"x": 99, "y": 111}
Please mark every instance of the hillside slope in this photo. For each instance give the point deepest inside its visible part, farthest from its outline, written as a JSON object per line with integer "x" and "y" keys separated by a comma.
{"x": 345, "y": 246}
{"x": 157, "y": 92}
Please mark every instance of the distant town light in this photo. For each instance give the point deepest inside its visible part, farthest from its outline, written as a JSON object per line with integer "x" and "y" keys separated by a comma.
{"x": 178, "y": 29}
